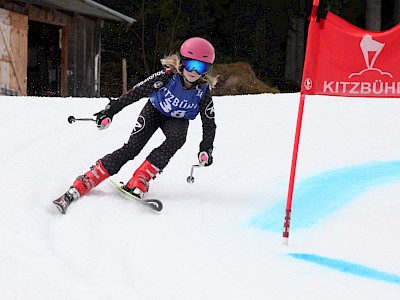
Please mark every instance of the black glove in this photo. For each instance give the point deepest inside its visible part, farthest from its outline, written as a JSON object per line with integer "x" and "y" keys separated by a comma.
{"x": 205, "y": 157}
{"x": 104, "y": 117}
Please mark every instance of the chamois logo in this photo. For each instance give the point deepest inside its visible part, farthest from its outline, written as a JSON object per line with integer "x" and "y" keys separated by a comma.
{"x": 370, "y": 49}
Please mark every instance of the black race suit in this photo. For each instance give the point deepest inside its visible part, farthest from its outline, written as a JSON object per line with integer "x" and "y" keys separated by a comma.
{"x": 150, "y": 119}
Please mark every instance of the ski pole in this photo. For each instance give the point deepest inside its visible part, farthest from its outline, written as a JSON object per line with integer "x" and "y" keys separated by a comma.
{"x": 72, "y": 119}
{"x": 190, "y": 178}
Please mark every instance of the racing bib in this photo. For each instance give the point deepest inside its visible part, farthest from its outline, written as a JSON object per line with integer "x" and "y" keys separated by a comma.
{"x": 173, "y": 100}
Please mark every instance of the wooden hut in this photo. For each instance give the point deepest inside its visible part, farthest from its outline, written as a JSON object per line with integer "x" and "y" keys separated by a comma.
{"x": 52, "y": 47}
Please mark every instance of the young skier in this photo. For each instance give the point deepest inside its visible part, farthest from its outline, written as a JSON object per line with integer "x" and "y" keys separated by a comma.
{"x": 176, "y": 94}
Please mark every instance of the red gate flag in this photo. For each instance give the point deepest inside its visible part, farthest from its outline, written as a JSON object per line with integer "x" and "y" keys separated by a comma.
{"x": 344, "y": 60}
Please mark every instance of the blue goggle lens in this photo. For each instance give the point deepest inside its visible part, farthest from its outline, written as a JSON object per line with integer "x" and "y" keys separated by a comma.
{"x": 199, "y": 66}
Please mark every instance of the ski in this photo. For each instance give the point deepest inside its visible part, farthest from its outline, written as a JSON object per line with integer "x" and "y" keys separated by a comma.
{"x": 154, "y": 204}
{"x": 65, "y": 200}
{"x": 62, "y": 204}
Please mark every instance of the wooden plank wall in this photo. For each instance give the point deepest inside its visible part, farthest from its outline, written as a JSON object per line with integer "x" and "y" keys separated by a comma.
{"x": 81, "y": 38}
{"x": 49, "y": 16}
{"x": 13, "y": 52}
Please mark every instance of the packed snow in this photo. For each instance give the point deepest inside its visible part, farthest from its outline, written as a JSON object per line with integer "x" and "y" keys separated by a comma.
{"x": 221, "y": 236}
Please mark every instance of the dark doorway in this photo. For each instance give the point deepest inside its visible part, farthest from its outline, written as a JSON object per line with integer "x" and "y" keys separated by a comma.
{"x": 44, "y": 59}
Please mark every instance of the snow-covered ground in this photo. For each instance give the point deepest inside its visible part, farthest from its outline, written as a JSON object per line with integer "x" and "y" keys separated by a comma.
{"x": 220, "y": 237}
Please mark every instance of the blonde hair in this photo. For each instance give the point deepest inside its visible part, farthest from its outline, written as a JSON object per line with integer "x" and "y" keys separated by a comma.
{"x": 173, "y": 62}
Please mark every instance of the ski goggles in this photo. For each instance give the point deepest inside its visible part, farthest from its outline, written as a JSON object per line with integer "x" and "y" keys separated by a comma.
{"x": 199, "y": 66}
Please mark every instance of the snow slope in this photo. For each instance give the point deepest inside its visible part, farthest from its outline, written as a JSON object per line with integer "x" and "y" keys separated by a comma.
{"x": 220, "y": 237}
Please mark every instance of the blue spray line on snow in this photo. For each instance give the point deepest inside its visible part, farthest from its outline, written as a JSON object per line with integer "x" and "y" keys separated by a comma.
{"x": 317, "y": 197}
{"x": 348, "y": 267}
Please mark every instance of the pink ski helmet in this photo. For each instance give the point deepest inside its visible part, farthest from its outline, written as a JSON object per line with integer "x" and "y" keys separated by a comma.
{"x": 199, "y": 49}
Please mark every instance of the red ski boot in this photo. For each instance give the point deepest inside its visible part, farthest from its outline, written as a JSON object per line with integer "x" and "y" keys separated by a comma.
{"x": 81, "y": 186}
{"x": 138, "y": 185}
{"x": 91, "y": 178}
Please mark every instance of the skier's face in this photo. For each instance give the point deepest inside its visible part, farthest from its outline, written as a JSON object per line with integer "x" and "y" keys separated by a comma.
{"x": 191, "y": 76}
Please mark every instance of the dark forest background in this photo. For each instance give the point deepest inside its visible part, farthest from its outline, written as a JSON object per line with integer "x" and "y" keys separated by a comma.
{"x": 270, "y": 35}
